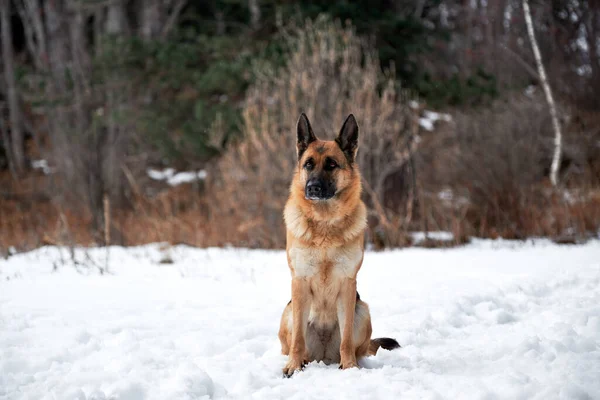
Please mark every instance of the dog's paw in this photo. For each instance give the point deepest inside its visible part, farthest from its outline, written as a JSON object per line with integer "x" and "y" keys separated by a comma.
{"x": 349, "y": 364}
{"x": 293, "y": 366}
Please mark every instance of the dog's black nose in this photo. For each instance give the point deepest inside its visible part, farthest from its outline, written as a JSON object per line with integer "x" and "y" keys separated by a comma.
{"x": 313, "y": 189}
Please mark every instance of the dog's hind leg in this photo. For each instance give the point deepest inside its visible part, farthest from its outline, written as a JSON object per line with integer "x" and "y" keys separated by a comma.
{"x": 362, "y": 334}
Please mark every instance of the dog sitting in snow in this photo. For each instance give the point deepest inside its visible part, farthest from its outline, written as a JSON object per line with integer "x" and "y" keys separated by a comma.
{"x": 325, "y": 220}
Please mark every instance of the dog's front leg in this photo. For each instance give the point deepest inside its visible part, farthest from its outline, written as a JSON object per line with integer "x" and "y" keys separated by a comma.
{"x": 300, "y": 312}
{"x": 346, "y": 305}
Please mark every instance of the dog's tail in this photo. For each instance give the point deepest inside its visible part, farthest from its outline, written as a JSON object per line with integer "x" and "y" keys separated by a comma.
{"x": 384, "y": 342}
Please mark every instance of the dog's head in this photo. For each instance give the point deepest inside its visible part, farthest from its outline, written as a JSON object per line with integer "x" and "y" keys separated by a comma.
{"x": 326, "y": 167}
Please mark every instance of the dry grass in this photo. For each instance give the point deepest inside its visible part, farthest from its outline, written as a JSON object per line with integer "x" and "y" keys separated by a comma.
{"x": 174, "y": 217}
{"x": 179, "y": 216}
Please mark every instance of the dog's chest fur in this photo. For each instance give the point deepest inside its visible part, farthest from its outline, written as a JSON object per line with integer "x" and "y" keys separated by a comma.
{"x": 325, "y": 269}
{"x": 325, "y": 263}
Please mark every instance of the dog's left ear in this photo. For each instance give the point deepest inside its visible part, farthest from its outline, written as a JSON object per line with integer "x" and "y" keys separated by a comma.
{"x": 348, "y": 138}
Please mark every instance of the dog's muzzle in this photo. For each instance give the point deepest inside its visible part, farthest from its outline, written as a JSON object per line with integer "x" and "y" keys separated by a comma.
{"x": 317, "y": 190}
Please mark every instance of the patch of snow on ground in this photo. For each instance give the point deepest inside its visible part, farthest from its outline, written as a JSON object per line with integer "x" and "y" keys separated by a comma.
{"x": 159, "y": 175}
{"x": 173, "y": 178}
{"x": 429, "y": 118}
{"x": 574, "y": 196}
{"x": 446, "y": 194}
{"x": 449, "y": 198}
{"x": 491, "y": 320}
{"x": 530, "y": 90}
{"x": 426, "y": 124}
{"x": 584, "y": 70}
{"x": 418, "y": 237}
{"x": 42, "y": 165}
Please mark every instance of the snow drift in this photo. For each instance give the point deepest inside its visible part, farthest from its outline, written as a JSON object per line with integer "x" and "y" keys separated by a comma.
{"x": 492, "y": 320}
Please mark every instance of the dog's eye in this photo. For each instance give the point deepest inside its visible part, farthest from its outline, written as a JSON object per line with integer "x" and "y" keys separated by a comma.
{"x": 309, "y": 165}
{"x": 330, "y": 164}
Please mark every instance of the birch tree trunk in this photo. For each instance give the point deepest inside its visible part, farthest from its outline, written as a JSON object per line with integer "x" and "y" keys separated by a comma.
{"x": 547, "y": 92}
{"x": 18, "y": 156}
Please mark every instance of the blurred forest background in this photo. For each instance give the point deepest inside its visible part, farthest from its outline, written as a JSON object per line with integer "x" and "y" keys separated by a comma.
{"x": 135, "y": 121}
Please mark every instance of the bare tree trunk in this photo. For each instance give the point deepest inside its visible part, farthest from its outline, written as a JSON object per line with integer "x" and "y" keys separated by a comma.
{"x": 443, "y": 14}
{"x": 16, "y": 130}
{"x": 6, "y": 142}
{"x": 254, "y": 14}
{"x": 468, "y": 24}
{"x": 31, "y": 15}
{"x": 220, "y": 23}
{"x": 79, "y": 67}
{"x": 57, "y": 33}
{"x": 548, "y": 93}
{"x": 28, "y": 29}
{"x": 106, "y": 203}
{"x": 116, "y": 18}
{"x": 150, "y": 15}
{"x": 419, "y": 9}
{"x": 507, "y": 13}
{"x": 59, "y": 126}
{"x": 592, "y": 27}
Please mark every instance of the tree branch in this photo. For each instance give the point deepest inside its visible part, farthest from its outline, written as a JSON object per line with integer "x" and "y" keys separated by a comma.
{"x": 521, "y": 61}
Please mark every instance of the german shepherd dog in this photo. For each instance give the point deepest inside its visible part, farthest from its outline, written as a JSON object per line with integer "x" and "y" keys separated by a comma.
{"x": 325, "y": 220}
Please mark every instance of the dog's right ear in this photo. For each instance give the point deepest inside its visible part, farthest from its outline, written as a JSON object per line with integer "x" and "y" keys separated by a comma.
{"x": 305, "y": 135}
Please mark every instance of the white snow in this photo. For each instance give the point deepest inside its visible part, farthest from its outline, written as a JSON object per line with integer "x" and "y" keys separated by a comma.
{"x": 581, "y": 42}
{"x": 175, "y": 179}
{"x": 160, "y": 175}
{"x": 446, "y": 194}
{"x": 530, "y": 90}
{"x": 492, "y": 320}
{"x": 426, "y": 124}
{"x": 42, "y": 165}
{"x": 184, "y": 177}
{"x": 429, "y": 118}
{"x": 419, "y": 237}
{"x": 451, "y": 199}
{"x": 584, "y": 70}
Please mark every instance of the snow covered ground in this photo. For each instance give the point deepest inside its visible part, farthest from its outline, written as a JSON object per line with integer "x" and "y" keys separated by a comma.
{"x": 176, "y": 178}
{"x": 492, "y": 320}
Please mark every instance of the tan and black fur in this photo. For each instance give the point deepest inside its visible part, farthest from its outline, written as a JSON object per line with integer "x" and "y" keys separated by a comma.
{"x": 325, "y": 220}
